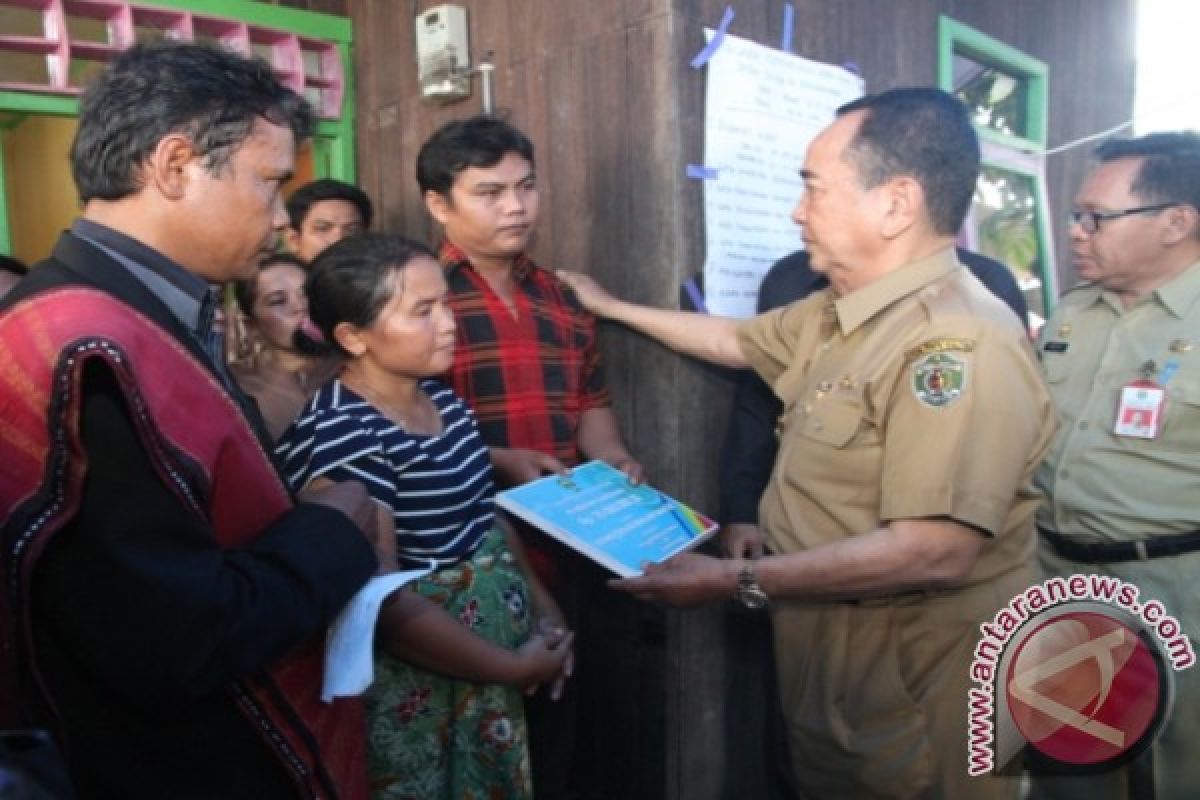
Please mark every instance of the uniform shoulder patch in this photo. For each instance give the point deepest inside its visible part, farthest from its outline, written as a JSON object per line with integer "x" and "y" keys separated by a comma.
{"x": 939, "y": 378}
{"x": 940, "y": 346}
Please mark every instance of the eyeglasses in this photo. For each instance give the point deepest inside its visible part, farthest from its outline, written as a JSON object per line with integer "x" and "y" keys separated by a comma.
{"x": 1090, "y": 220}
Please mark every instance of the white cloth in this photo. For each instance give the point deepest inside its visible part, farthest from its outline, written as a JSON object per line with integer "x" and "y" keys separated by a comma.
{"x": 349, "y": 650}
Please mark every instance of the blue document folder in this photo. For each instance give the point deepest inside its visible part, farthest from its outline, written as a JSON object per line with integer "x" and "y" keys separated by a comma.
{"x": 597, "y": 511}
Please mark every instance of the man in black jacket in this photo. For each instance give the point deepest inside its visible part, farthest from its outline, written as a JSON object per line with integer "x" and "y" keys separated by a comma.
{"x": 164, "y": 596}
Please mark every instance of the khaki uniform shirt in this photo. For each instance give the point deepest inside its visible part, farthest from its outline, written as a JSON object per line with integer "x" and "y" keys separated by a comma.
{"x": 1091, "y": 347}
{"x": 867, "y": 437}
{"x": 1101, "y": 487}
{"x": 917, "y": 396}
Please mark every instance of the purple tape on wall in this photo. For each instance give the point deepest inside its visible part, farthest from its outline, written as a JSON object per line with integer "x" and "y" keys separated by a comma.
{"x": 695, "y": 295}
{"x": 701, "y": 173}
{"x": 851, "y": 66}
{"x": 789, "y": 14}
{"x": 718, "y": 36}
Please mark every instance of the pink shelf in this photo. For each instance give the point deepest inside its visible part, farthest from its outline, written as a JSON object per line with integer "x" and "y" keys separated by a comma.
{"x": 329, "y": 79}
{"x": 28, "y": 44}
{"x": 283, "y": 50}
{"x": 36, "y": 5}
{"x": 231, "y": 33}
{"x": 174, "y": 24}
{"x": 94, "y": 51}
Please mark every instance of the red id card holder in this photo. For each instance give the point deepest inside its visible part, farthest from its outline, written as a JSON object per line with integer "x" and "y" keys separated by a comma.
{"x": 1140, "y": 410}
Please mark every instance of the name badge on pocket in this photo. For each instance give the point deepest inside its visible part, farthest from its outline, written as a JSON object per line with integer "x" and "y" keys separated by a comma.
{"x": 1140, "y": 412}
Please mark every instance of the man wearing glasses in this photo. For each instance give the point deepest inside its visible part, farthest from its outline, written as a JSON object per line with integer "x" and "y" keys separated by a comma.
{"x": 1121, "y": 355}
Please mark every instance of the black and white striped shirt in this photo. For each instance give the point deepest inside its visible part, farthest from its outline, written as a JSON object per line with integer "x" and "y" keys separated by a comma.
{"x": 439, "y": 487}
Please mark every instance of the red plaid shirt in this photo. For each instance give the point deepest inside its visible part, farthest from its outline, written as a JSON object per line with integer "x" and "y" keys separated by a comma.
{"x": 530, "y": 377}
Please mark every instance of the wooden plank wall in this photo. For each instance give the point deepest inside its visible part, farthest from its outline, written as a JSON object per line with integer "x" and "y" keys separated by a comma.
{"x": 604, "y": 89}
{"x": 577, "y": 78}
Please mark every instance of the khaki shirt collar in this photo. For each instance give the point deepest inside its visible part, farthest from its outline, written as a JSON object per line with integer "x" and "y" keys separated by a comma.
{"x": 1178, "y": 296}
{"x": 1181, "y": 294}
{"x": 856, "y": 308}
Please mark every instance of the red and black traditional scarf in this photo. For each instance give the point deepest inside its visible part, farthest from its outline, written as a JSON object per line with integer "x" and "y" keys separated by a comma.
{"x": 178, "y": 408}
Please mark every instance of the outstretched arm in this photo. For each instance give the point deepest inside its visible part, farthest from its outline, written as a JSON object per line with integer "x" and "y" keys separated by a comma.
{"x": 901, "y": 556}
{"x": 699, "y": 335}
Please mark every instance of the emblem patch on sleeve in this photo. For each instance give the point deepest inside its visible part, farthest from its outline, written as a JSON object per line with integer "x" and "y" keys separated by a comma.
{"x": 939, "y": 378}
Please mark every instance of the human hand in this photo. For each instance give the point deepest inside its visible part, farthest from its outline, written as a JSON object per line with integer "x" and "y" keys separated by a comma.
{"x": 633, "y": 470}
{"x": 373, "y": 518}
{"x": 593, "y": 297}
{"x": 516, "y": 466}
{"x": 741, "y": 540}
{"x": 554, "y": 628}
{"x": 683, "y": 581}
{"x": 542, "y": 658}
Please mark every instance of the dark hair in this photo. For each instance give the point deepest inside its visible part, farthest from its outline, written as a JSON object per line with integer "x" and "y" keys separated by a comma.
{"x": 925, "y": 134}
{"x": 246, "y": 291}
{"x": 350, "y": 280}
{"x": 480, "y": 141}
{"x": 1170, "y": 170}
{"x": 157, "y": 88}
{"x": 310, "y": 194}
{"x": 13, "y": 265}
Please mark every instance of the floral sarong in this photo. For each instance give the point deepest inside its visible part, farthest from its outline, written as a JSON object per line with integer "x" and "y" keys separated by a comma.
{"x": 438, "y": 738}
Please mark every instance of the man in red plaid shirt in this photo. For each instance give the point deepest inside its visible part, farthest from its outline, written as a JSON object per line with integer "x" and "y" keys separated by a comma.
{"x": 526, "y": 357}
{"x": 526, "y": 361}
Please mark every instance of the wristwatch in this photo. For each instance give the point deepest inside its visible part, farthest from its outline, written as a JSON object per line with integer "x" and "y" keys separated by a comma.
{"x": 749, "y": 593}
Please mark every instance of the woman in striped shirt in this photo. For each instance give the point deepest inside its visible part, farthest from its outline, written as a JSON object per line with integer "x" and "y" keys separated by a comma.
{"x": 445, "y": 711}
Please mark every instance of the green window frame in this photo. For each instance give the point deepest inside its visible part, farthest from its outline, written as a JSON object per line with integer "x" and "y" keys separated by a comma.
{"x": 955, "y": 38}
{"x": 333, "y": 147}
{"x": 1019, "y": 154}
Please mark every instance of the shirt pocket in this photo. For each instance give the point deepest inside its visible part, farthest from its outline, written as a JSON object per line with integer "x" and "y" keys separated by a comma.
{"x": 1181, "y": 424}
{"x": 830, "y": 451}
{"x": 1055, "y": 368}
{"x": 834, "y": 422}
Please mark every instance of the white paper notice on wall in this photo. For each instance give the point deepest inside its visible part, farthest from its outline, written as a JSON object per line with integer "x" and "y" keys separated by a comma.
{"x": 763, "y": 107}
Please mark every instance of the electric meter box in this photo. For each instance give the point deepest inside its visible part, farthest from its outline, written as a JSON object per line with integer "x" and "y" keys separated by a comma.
{"x": 443, "y": 57}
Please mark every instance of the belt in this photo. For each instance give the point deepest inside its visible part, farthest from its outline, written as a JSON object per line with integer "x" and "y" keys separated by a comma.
{"x": 1109, "y": 552}
{"x": 908, "y": 597}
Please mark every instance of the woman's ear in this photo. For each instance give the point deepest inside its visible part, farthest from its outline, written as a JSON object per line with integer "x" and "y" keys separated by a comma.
{"x": 350, "y": 338}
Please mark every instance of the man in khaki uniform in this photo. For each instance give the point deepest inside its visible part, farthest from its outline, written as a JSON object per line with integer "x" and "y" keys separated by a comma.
{"x": 901, "y": 502}
{"x": 1128, "y": 504}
